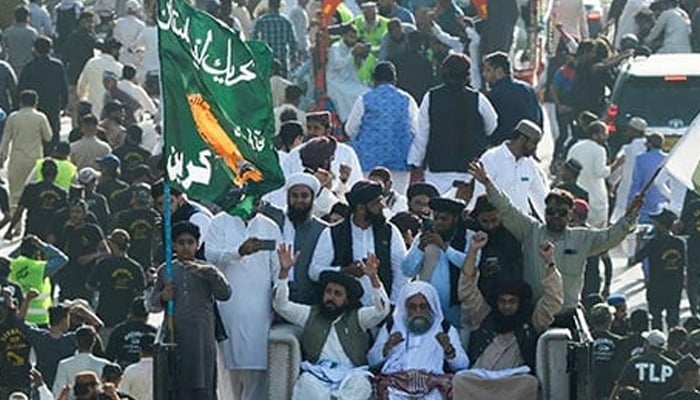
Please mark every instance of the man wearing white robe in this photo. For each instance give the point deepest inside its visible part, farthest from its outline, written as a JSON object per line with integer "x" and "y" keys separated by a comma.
{"x": 513, "y": 170}
{"x": 343, "y": 82}
{"x": 593, "y": 158}
{"x": 235, "y": 246}
{"x": 626, "y": 23}
{"x": 636, "y": 127}
{"x": 353, "y": 240}
{"x": 318, "y": 124}
{"x": 90, "y": 87}
{"x": 127, "y": 30}
{"x": 330, "y": 373}
{"x": 418, "y": 343}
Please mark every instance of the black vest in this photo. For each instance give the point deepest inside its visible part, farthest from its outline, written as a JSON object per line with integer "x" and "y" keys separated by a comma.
{"x": 343, "y": 255}
{"x": 456, "y": 129}
{"x": 526, "y": 336}
{"x": 302, "y": 289}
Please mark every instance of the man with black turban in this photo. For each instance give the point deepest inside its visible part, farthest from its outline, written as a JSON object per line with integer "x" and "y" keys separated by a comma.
{"x": 363, "y": 234}
{"x": 503, "y": 346}
{"x": 334, "y": 337}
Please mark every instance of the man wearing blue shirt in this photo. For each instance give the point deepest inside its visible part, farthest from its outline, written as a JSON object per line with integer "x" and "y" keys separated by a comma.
{"x": 438, "y": 253}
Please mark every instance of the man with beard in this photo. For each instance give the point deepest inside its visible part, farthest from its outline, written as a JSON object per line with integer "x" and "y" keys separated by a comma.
{"x": 438, "y": 253}
{"x": 513, "y": 170}
{"x": 502, "y": 255}
{"x": 302, "y": 231}
{"x": 417, "y": 344}
{"x": 509, "y": 323}
{"x": 366, "y": 232}
{"x": 239, "y": 248}
{"x": 574, "y": 245}
{"x": 334, "y": 337}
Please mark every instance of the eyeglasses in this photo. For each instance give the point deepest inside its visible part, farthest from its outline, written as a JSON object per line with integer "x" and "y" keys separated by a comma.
{"x": 556, "y": 212}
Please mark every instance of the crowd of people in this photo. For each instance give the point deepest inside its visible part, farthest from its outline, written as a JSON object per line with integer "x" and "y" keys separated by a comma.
{"x": 418, "y": 245}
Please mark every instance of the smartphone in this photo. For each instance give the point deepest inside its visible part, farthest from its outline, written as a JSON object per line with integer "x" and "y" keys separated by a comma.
{"x": 268, "y": 245}
{"x": 427, "y": 225}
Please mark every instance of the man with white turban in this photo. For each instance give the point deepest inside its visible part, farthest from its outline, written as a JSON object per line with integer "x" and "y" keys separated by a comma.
{"x": 302, "y": 231}
{"x": 415, "y": 346}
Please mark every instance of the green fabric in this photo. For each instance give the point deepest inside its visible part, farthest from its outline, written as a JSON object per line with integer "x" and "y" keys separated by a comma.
{"x": 66, "y": 173}
{"x": 696, "y": 179}
{"x": 29, "y": 274}
{"x": 217, "y": 110}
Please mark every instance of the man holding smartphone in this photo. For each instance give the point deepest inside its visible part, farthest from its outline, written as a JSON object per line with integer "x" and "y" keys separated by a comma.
{"x": 244, "y": 251}
{"x": 438, "y": 253}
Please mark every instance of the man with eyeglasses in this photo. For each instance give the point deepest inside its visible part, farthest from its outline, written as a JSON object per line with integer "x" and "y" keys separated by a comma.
{"x": 573, "y": 245}
{"x": 438, "y": 253}
{"x": 417, "y": 349}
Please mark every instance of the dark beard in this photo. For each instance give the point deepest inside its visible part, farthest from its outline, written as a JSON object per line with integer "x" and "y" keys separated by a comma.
{"x": 298, "y": 215}
{"x": 503, "y": 324}
{"x": 330, "y": 311}
{"x": 376, "y": 219}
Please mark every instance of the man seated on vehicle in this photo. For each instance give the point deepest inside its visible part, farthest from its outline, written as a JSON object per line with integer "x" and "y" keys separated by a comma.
{"x": 504, "y": 344}
{"x": 334, "y": 337}
{"x": 417, "y": 349}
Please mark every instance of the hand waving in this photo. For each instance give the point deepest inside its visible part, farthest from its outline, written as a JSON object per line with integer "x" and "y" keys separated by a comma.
{"x": 476, "y": 168}
{"x": 287, "y": 259}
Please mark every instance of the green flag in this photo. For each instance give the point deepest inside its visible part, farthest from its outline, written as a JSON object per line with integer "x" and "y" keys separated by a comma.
{"x": 217, "y": 105}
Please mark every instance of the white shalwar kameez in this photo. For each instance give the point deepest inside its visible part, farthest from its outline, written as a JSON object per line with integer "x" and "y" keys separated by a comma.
{"x": 521, "y": 179}
{"x": 127, "y": 30}
{"x": 247, "y": 315}
{"x": 593, "y": 159}
{"x": 630, "y": 151}
{"x": 362, "y": 245}
{"x": 334, "y": 377}
{"x": 343, "y": 83}
{"x": 291, "y": 164}
{"x": 417, "y": 352}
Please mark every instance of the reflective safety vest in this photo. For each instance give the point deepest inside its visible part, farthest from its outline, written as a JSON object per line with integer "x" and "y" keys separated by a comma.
{"x": 66, "y": 173}
{"x": 29, "y": 274}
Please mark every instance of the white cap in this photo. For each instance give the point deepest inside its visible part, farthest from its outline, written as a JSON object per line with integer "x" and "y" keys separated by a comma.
{"x": 304, "y": 179}
{"x": 655, "y": 338}
{"x": 638, "y": 124}
{"x": 87, "y": 175}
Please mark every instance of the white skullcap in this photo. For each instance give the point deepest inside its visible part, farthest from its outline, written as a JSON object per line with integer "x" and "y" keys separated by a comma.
{"x": 301, "y": 178}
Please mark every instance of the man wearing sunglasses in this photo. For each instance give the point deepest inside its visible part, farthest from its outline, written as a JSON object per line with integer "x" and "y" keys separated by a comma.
{"x": 573, "y": 245}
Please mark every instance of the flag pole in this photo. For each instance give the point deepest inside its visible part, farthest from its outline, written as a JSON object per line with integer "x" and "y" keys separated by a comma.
{"x": 651, "y": 180}
{"x": 168, "y": 245}
{"x": 167, "y": 217}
